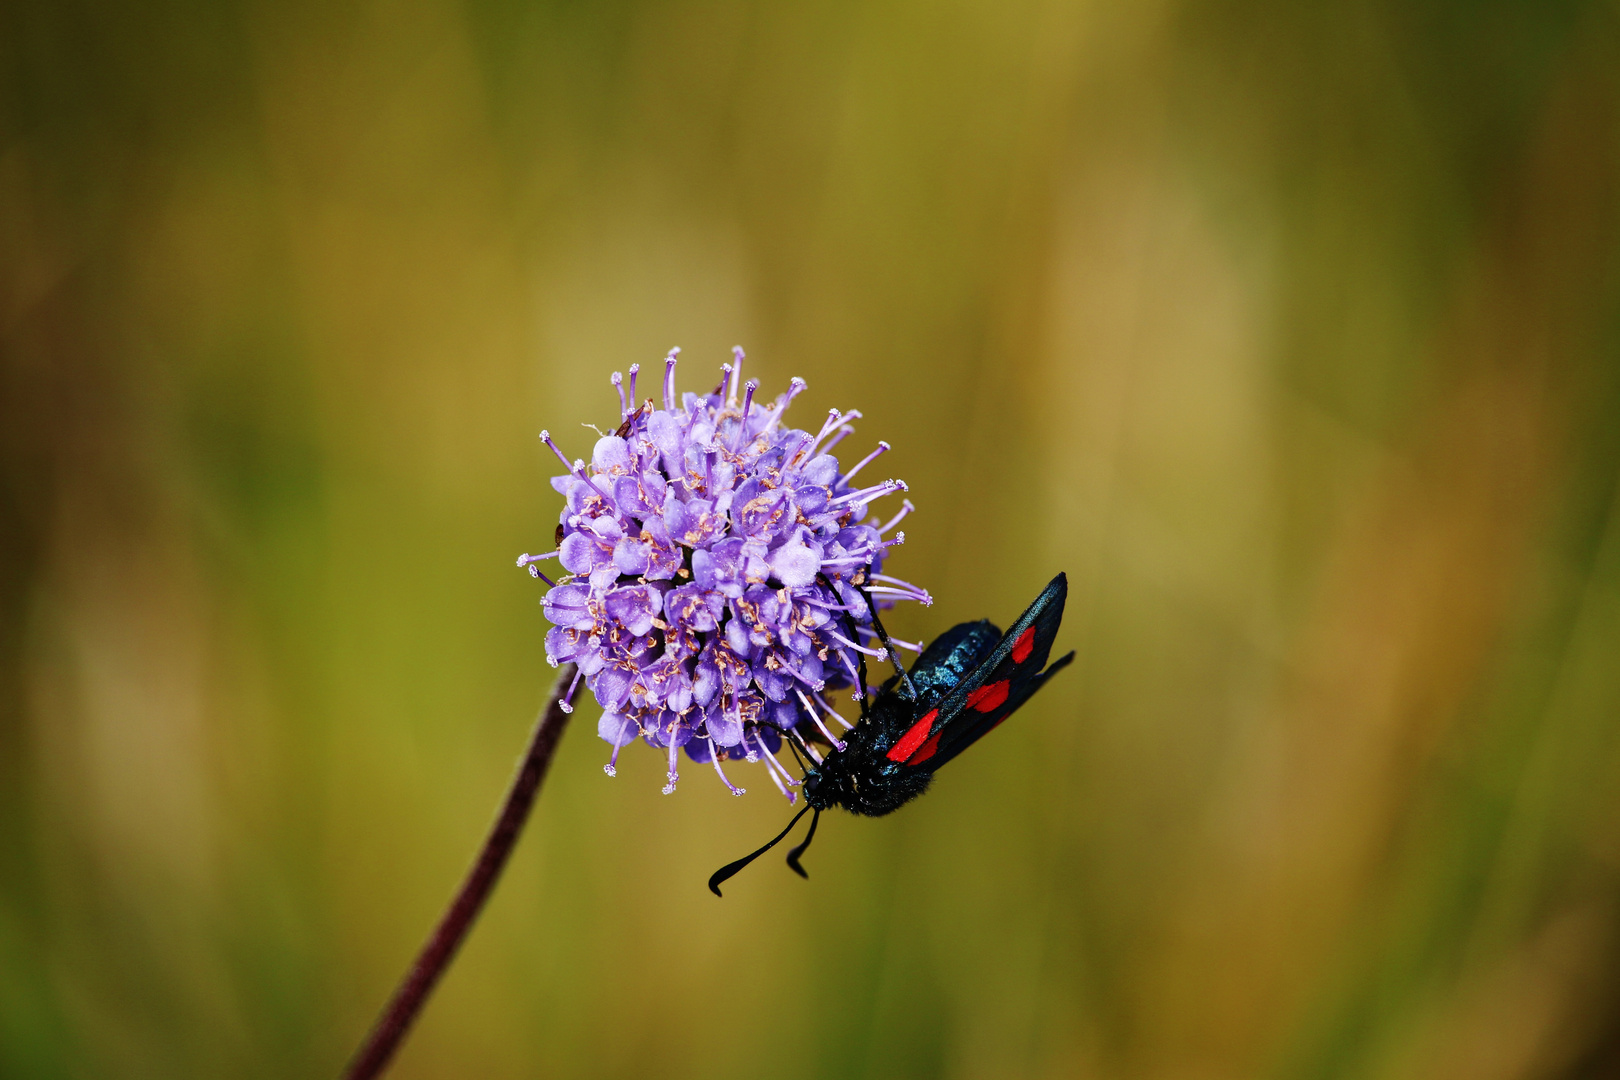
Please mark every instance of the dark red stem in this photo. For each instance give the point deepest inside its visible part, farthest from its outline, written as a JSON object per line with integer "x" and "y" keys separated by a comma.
{"x": 395, "y": 1022}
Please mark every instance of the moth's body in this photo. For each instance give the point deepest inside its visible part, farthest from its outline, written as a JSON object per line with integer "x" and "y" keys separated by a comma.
{"x": 861, "y": 778}
{"x": 964, "y": 684}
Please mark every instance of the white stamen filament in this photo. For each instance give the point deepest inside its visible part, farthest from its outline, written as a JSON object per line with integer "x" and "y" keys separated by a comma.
{"x": 669, "y": 379}
{"x": 833, "y": 712}
{"x": 862, "y": 496}
{"x": 567, "y": 703}
{"x": 882, "y": 448}
{"x": 815, "y": 718}
{"x": 796, "y": 386}
{"x": 843, "y": 433}
{"x": 673, "y": 776}
{"x": 918, "y": 595}
{"x": 618, "y": 384}
{"x": 905, "y": 508}
{"x": 790, "y": 796}
{"x": 772, "y": 759}
{"x": 876, "y": 654}
{"x": 714, "y": 756}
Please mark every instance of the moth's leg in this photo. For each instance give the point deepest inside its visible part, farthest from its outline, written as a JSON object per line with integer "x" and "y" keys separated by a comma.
{"x": 793, "y": 856}
{"x": 888, "y": 646}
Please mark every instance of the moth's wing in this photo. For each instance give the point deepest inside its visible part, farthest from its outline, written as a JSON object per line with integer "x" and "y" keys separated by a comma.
{"x": 949, "y": 659}
{"x": 990, "y": 693}
{"x": 970, "y": 726}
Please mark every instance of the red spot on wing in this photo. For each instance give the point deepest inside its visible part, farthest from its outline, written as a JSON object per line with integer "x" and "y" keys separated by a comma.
{"x": 1024, "y": 645}
{"x": 988, "y": 698}
{"x": 927, "y": 749}
{"x": 911, "y": 740}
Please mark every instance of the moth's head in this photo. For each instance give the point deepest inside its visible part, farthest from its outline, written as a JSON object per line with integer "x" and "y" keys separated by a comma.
{"x": 825, "y": 785}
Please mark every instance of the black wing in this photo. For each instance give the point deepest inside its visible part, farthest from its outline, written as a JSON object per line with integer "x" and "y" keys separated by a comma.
{"x": 993, "y": 690}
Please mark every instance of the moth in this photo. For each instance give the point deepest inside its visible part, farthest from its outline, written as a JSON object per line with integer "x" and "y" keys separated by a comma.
{"x": 968, "y": 680}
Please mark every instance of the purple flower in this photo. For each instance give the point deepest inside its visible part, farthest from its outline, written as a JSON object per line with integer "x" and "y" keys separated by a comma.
{"x": 714, "y": 561}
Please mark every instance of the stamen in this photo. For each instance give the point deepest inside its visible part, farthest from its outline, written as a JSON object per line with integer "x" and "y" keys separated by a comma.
{"x": 742, "y": 422}
{"x": 895, "y": 581}
{"x": 838, "y": 744}
{"x": 634, "y": 368}
{"x": 525, "y": 559}
{"x": 772, "y": 759}
{"x": 913, "y": 593}
{"x": 866, "y": 495}
{"x": 736, "y": 373}
{"x": 824, "y": 605}
{"x": 795, "y": 388}
{"x": 882, "y": 448}
{"x": 843, "y": 433}
{"x": 669, "y": 379}
{"x": 618, "y": 384}
{"x": 792, "y": 797}
{"x": 567, "y": 703}
{"x": 714, "y": 756}
{"x": 865, "y": 557}
{"x": 612, "y": 767}
{"x": 876, "y": 654}
{"x": 854, "y": 675}
{"x": 750, "y": 755}
{"x": 674, "y": 775}
{"x": 905, "y": 508}
{"x": 534, "y": 572}
{"x": 916, "y": 648}
{"x": 834, "y": 418}
{"x": 832, "y": 712}
{"x": 577, "y": 468}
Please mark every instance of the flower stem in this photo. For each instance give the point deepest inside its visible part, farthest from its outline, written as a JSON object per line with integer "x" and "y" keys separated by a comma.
{"x": 396, "y": 1020}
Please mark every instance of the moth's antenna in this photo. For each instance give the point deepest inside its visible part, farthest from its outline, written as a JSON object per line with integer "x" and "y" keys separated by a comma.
{"x": 731, "y": 869}
{"x": 888, "y": 646}
{"x": 793, "y": 856}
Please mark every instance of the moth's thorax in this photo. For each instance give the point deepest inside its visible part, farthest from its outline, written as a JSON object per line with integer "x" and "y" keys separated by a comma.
{"x": 860, "y": 779}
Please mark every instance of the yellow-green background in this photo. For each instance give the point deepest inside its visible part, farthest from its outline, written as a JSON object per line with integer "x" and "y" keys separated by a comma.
{"x": 1288, "y": 330}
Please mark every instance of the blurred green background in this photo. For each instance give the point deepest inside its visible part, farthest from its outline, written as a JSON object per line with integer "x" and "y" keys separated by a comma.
{"x": 1289, "y": 331}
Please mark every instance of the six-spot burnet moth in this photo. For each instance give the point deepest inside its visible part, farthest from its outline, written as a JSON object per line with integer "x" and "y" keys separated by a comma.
{"x": 967, "y": 681}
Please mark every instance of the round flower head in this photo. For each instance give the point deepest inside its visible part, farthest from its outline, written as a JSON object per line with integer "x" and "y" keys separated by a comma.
{"x": 715, "y": 565}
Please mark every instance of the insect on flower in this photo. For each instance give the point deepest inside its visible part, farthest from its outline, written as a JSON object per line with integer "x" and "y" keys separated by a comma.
{"x": 966, "y": 682}
{"x": 721, "y": 575}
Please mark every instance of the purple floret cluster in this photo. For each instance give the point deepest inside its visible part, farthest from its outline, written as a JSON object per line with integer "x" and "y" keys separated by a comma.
{"x": 715, "y": 560}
